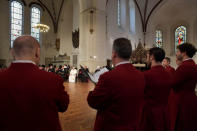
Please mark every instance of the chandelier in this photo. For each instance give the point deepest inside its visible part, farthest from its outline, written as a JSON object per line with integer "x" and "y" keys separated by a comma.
{"x": 42, "y": 27}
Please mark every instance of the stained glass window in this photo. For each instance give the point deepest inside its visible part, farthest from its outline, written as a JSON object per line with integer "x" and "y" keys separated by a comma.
{"x": 119, "y": 8}
{"x": 35, "y": 19}
{"x": 180, "y": 36}
{"x": 159, "y": 39}
{"x": 132, "y": 16}
{"x": 16, "y": 20}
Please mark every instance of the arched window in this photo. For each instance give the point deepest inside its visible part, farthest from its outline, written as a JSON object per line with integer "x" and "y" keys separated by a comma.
{"x": 180, "y": 35}
{"x": 16, "y": 20}
{"x": 159, "y": 39}
{"x": 132, "y": 16}
{"x": 119, "y": 12}
{"x": 35, "y": 19}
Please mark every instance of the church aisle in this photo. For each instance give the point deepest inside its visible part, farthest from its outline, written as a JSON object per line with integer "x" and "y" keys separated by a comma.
{"x": 79, "y": 116}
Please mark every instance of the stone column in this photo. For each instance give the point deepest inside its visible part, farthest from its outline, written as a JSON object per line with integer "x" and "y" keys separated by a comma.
{"x": 76, "y": 14}
{"x": 92, "y": 49}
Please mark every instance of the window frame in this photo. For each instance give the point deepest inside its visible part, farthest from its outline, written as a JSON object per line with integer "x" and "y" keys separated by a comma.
{"x": 119, "y": 13}
{"x": 38, "y": 7}
{"x": 161, "y": 38}
{"x": 175, "y": 45}
{"x": 132, "y": 14}
{"x": 23, "y": 15}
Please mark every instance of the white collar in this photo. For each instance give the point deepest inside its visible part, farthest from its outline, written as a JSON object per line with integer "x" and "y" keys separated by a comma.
{"x": 187, "y": 59}
{"x": 121, "y": 63}
{"x": 24, "y": 61}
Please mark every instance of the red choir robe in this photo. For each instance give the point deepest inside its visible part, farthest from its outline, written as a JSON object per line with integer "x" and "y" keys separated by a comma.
{"x": 30, "y": 99}
{"x": 158, "y": 84}
{"x": 184, "y": 108}
{"x": 171, "y": 100}
{"x": 170, "y": 69}
{"x": 118, "y": 99}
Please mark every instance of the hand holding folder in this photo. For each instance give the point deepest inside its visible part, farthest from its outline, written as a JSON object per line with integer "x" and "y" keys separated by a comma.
{"x": 94, "y": 77}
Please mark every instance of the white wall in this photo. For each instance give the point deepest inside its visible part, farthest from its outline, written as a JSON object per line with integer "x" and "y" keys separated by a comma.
{"x": 114, "y": 31}
{"x": 66, "y": 28}
{"x": 4, "y": 32}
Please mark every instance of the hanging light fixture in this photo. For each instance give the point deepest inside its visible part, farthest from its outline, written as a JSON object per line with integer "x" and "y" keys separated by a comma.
{"x": 42, "y": 27}
{"x": 91, "y": 20}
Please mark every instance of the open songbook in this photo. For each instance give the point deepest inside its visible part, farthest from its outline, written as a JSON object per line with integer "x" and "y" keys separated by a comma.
{"x": 94, "y": 77}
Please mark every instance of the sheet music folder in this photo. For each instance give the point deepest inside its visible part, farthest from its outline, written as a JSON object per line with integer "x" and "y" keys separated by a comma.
{"x": 94, "y": 77}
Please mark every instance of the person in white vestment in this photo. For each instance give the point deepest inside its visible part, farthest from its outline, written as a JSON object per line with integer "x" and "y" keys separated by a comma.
{"x": 73, "y": 74}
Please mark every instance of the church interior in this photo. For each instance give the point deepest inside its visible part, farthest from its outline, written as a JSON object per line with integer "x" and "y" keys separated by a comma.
{"x": 81, "y": 32}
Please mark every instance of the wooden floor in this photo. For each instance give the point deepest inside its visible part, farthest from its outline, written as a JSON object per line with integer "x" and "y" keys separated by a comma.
{"x": 79, "y": 116}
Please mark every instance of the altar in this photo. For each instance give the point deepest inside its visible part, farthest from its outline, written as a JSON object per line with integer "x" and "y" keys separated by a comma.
{"x": 58, "y": 60}
{"x": 138, "y": 57}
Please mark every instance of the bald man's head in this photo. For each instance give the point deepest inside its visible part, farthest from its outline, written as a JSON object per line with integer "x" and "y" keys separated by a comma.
{"x": 26, "y": 47}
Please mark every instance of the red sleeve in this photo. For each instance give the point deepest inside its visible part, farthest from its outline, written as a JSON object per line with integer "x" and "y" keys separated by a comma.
{"x": 180, "y": 76}
{"x": 100, "y": 97}
{"x": 62, "y": 99}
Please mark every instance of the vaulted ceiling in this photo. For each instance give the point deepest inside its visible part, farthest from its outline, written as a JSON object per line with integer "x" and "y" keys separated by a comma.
{"x": 176, "y": 8}
{"x": 145, "y": 9}
{"x": 54, "y": 9}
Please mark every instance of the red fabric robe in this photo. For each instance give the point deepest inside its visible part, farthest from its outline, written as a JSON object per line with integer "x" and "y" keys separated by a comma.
{"x": 118, "y": 98}
{"x": 184, "y": 108}
{"x": 171, "y": 103}
{"x": 158, "y": 84}
{"x": 30, "y": 99}
{"x": 170, "y": 69}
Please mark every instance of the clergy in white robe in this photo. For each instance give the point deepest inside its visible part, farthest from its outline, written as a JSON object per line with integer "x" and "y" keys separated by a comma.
{"x": 73, "y": 74}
